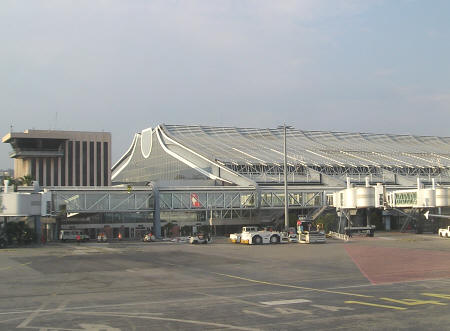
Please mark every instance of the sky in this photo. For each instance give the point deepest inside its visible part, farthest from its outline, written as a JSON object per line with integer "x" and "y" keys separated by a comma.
{"x": 123, "y": 66}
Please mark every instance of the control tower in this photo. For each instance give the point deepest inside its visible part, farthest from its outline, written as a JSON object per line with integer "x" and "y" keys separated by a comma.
{"x": 62, "y": 158}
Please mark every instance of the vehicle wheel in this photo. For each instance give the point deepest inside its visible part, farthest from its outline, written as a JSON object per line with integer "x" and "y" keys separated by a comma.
{"x": 274, "y": 239}
{"x": 446, "y": 235}
{"x": 257, "y": 240}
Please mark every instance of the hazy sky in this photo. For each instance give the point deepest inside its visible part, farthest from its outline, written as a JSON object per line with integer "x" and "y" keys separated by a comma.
{"x": 122, "y": 66}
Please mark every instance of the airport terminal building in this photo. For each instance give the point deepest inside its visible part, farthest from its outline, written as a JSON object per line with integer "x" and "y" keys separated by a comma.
{"x": 229, "y": 175}
{"x": 225, "y": 177}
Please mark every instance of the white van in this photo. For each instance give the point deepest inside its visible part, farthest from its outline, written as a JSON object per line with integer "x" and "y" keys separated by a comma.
{"x": 72, "y": 235}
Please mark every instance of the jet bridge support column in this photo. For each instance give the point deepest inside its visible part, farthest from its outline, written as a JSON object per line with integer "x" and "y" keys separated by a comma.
{"x": 38, "y": 228}
{"x": 156, "y": 214}
{"x": 387, "y": 220}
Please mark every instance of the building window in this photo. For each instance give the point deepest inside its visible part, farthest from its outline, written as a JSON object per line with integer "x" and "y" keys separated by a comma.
{"x": 85, "y": 179}
{"x": 70, "y": 165}
{"x": 105, "y": 164}
{"x": 63, "y": 167}
{"x": 55, "y": 172}
{"x": 33, "y": 169}
{"x": 91, "y": 163}
{"x": 77, "y": 163}
{"x": 48, "y": 171}
{"x": 41, "y": 172}
{"x": 99, "y": 163}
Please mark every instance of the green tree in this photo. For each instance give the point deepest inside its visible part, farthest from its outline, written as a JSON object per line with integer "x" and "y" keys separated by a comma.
{"x": 26, "y": 180}
{"x": 328, "y": 220}
{"x": 19, "y": 232}
{"x": 14, "y": 182}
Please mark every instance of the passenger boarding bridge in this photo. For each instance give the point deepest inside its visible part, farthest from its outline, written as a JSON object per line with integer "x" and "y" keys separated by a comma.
{"x": 218, "y": 203}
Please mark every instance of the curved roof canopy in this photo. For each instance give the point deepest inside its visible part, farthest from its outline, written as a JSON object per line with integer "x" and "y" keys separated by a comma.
{"x": 248, "y": 145}
{"x": 250, "y": 155}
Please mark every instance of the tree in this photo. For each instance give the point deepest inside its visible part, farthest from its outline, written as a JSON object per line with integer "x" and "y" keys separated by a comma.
{"x": 26, "y": 180}
{"x": 19, "y": 232}
{"x": 13, "y": 182}
{"x": 328, "y": 220}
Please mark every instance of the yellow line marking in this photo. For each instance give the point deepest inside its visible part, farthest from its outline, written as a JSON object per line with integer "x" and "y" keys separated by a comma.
{"x": 442, "y": 296}
{"x": 293, "y": 286}
{"x": 412, "y": 302}
{"x": 375, "y": 305}
{"x": 10, "y": 267}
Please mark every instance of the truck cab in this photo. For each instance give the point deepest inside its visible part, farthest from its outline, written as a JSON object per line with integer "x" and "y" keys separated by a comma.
{"x": 236, "y": 237}
{"x": 445, "y": 232}
{"x": 308, "y": 233}
{"x": 253, "y": 236}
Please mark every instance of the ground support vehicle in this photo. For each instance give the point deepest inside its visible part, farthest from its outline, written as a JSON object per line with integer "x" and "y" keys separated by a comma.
{"x": 73, "y": 235}
{"x": 369, "y": 230}
{"x": 308, "y": 233}
{"x": 444, "y": 232}
{"x": 236, "y": 237}
{"x": 262, "y": 237}
{"x": 148, "y": 237}
{"x": 292, "y": 236}
{"x": 199, "y": 238}
{"x": 102, "y": 238}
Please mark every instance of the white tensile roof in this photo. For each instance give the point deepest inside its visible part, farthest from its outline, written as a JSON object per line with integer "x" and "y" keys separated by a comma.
{"x": 312, "y": 148}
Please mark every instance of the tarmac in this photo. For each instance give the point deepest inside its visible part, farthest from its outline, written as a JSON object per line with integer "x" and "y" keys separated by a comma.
{"x": 392, "y": 281}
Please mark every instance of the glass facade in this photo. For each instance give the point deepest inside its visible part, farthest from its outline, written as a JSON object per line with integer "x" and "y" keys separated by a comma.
{"x": 98, "y": 201}
{"x": 158, "y": 166}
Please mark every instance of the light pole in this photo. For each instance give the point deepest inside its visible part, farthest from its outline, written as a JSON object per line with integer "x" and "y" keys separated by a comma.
{"x": 286, "y": 197}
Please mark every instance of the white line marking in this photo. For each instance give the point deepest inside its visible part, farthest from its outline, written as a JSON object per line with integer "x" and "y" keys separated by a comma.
{"x": 44, "y": 328}
{"x": 32, "y": 316}
{"x": 289, "y": 311}
{"x": 251, "y": 312}
{"x": 332, "y": 308}
{"x": 11, "y": 319}
{"x": 115, "y": 314}
{"x": 284, "y": 302}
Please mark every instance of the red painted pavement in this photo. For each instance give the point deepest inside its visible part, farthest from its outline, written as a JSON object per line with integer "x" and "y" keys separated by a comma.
{"x": 391, "y": 265}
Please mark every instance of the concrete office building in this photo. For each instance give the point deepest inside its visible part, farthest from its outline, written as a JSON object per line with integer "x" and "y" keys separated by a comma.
{"x": 62, "y": 158}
